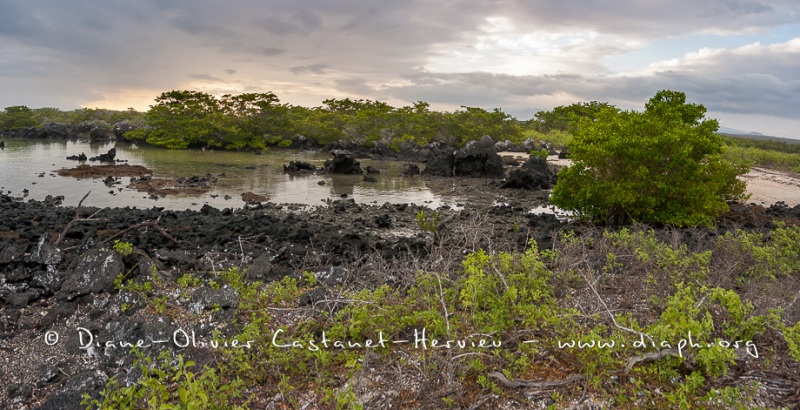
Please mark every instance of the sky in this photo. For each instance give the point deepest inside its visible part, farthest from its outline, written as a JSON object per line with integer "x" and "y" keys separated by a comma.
{"x": 739, "y": 58}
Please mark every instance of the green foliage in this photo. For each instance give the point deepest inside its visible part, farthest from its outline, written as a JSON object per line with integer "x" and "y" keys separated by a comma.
{"x": 542, "y": 153}
{"x": 565, "y": 118}
{"x": 182, "y": 119}
{"x": 20, "y": 116}
{"x": 473, "y": 123}
{"x": 16, "y": 117}
{"x": 784, "y": 146}
{"x": 143, "y": 289}
{"x": 757, "y": 157}
{"x": 730, "y": 397}
{"x": 123, "y": 248}
{"x": 773, "y": 256}
{"x": 792, "y": 337}
{"x": 656, "y": 256}
{"x": 556, "y": 138}
{"x": 153, "y": 390}
{"x": 660, "y": 166}
{"x": 188, "y": 281}
{"x": 504, "y": 296}
{"x": 427, "y": 223}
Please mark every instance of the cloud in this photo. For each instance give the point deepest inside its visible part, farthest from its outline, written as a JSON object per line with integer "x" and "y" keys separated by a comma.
{"x": 205, "y": 77}
{"x": 658, "y": 17}
{"x": 519, "y": 55}
{"x": 318, "y": 69}
{"x": 291, "y": 20}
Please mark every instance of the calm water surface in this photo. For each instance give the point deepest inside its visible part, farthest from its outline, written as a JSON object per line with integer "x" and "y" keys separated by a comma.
{"x": 31, "y": 165}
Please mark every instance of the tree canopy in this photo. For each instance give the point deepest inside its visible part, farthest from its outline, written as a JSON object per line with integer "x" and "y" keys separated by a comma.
{"x": 16, "y": 117}
{"x": 566, "y": 117}
{"x": 660, "y": 166}
{"x": 182, "y": 119}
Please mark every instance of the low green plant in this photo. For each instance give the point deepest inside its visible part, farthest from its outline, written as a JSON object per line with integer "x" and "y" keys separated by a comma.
{"x": 542, "y": 153}
{"x": 123, "y": 248}
{"x": 168, "y": 384}
{"x": 511, "y": 297}
{"x": 187, "y": 280}
{"x": 772, "y": 255}
{"x": 427, "y": 223}
{"x": 792, "y": 336}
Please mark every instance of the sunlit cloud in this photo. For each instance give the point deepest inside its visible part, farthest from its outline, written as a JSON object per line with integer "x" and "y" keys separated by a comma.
{"x": 737, "y": 57}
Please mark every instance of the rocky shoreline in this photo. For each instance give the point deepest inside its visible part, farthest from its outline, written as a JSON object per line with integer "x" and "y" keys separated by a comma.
{"x": 59, "y": 266}
{"x": 73, "y": 280}
{"x": 59, "y": 269}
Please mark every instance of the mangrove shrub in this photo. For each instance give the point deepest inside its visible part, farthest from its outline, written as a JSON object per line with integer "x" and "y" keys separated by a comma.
{"x": 660, "y": 166}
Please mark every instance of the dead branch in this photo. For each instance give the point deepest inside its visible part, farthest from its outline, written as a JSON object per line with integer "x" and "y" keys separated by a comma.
{"x": 153, "y": 223}
{"x": 76, "y": 218}
{"x": 649, "y": 357}
{"x": 542, "y": 385}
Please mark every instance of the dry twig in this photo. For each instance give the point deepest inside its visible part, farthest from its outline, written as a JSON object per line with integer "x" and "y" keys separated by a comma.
{"x": 77, "y": 218}
{"x": 154, "y": 224}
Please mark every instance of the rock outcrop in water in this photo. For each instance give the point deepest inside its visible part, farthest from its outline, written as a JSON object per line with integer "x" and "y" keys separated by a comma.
{"x": 440, "y": 165}
{"x": 107, "y": 157}
{"x": 410, "y": 170}
{"x": 81, "y": 157}
{"x": 343, "y": 162}
{"x": 299, "y": 166}
{"x": 534, "y": 174}
{"x": 476, "y": 159}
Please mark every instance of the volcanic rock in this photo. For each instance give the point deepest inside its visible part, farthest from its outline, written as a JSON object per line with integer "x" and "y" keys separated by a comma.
{"x": 343, "y": 162}
{"x": 534, "y": 174}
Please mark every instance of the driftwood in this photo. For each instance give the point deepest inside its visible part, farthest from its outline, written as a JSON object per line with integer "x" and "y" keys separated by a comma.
{"x": 547, "y": 384}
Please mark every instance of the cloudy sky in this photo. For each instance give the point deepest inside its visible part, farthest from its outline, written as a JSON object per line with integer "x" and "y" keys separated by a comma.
{"x": 740, "y": 58}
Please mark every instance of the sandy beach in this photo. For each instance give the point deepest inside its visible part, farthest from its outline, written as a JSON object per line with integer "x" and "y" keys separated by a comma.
{"x": 767, "y": 186}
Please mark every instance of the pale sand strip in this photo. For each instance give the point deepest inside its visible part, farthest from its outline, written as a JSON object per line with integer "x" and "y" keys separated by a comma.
{"x": 768, "y": 186}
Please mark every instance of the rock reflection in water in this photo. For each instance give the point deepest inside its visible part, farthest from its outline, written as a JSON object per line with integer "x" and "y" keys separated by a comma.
{"x": 237, "y": 172}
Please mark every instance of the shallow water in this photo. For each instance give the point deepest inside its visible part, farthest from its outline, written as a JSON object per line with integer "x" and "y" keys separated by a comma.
{"x": 31, "y": 165}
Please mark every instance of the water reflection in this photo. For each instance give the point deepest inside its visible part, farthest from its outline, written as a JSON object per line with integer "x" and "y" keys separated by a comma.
{"x": 23, "y": 161}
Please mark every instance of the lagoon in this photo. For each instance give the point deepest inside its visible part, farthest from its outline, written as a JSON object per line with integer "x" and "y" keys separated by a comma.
{"x": 32, "y": 164}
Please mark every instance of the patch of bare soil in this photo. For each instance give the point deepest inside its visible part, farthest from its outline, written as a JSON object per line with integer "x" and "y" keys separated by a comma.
{"x": 185, "y": 185}
{"x": 96, "y": 171}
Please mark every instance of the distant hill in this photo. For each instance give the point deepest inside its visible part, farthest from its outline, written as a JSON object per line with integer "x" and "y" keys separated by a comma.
{"x": 731, "y": 131}
{"x": 759, "y": 136}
